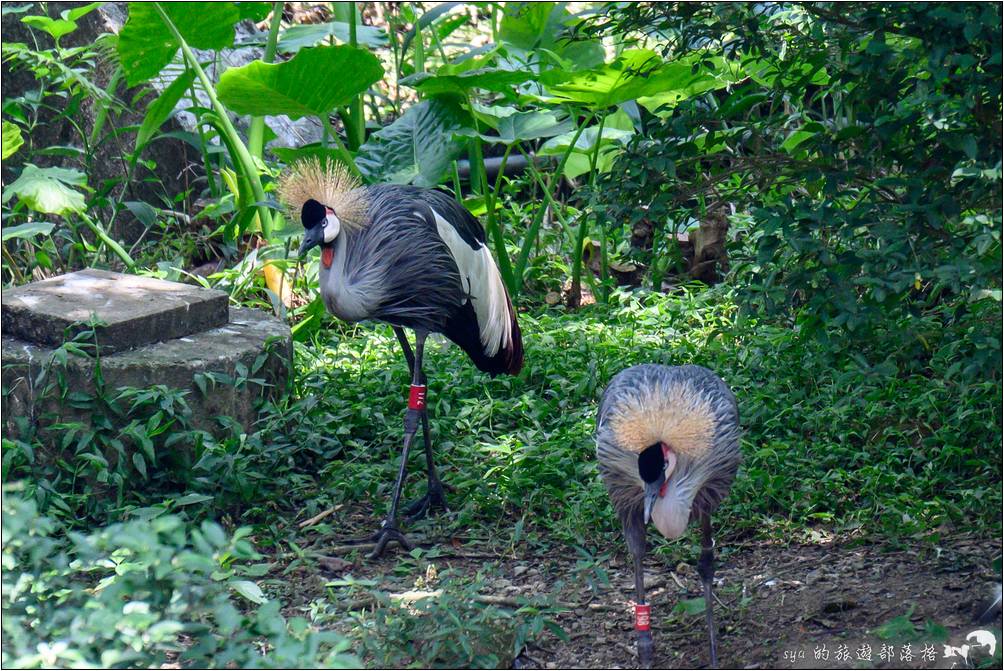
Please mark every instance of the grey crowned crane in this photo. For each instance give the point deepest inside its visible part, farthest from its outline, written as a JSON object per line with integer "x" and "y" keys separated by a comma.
{"x": 413, "y": 258}
{"x": 667, "y": 443}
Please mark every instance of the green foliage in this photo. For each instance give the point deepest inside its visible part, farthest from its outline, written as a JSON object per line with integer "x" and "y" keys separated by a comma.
{"x": 418, "y": 148}
{"x": 300, "y": 86}
{"x": 863, "y": 159}
{"x": 12, "y": 139}
{"x": 48, "y": 190}
{"x": 121, "y": 596}
{"x": 450, "y": 628}
{"x": 146, "y": 45}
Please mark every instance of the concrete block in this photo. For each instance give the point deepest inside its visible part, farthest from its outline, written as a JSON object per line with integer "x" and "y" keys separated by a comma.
{"x": 136, "y": 310}
{"x": 228, "y": 350}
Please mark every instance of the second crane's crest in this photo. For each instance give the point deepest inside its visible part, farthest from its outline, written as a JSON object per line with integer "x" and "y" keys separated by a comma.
{"x": 328, "y": 183}
{"x": 677, "y": 416}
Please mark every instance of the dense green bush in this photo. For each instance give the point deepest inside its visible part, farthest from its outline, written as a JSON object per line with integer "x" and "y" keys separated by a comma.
{"x": 140, "y": 594}
{"x": 861, "y": 157}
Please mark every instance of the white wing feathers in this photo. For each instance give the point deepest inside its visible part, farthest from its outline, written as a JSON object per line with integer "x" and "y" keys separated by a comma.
{"x": 483, "y": 283}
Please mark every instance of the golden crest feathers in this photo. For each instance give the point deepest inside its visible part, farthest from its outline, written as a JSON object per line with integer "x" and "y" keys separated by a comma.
{"x": 677, "y": 416}
{"x": 330, "y": 184}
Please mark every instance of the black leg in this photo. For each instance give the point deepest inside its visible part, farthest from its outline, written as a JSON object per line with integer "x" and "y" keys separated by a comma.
{"x": 408, "y": 356}
{"x": 435, "y": 497}
{"x": 634, "y": 532}
{"x": 706, "y": 569}
{"x": 388, "y": 529}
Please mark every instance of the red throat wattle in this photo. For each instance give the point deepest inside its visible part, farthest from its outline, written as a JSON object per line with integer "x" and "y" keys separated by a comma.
{"x": 327, "y": 256}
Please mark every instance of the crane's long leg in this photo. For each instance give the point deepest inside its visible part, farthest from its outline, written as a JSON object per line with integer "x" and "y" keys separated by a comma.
{"x": 416, "y": 405}
{"x": 435, "y": 497}
{"x": 634, "y": 532}
{"x": 706, "y": 569}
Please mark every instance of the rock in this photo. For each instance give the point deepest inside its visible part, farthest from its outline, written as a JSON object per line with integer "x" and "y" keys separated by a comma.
{"x": 135, "y": 310}
{"x": 519, "y": 570}
{"x": 186, "y": 363}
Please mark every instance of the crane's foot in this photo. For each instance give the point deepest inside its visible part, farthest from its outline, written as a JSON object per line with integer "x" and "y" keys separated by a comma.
{"x": 387, "y": 533}
{"x": 434, "y": 499}
{"x": 646, "y": 649}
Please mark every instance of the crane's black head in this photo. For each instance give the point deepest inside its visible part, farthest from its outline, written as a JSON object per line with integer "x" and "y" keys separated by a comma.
{"x": 652, "y": 469}
{"x": 313, "y": 216}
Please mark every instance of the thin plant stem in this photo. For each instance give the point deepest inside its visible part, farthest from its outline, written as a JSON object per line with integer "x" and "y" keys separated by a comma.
{"x": 244, "y": 158}
{"x": 256, "y": 133}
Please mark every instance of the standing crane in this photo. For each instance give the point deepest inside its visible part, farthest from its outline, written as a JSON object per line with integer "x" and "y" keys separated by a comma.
{"x": 667, "y": 443}
{"x": 413, "y": 258}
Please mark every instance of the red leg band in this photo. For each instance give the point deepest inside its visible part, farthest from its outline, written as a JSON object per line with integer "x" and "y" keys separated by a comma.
{"x": 416, "y": 397}
{"x": 642, "y": 616}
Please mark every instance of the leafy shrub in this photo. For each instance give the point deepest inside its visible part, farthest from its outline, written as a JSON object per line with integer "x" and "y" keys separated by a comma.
{"x": 452, "y": 628}
{"x": 141, "y": 594}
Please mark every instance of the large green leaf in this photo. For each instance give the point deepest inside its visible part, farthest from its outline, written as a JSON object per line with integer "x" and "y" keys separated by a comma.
{"x": 315, "y": 81}
{"x": 514, "y": 126}
{"x": 12, "y": 139}
{"x": 418, "y": 148}
{"x": 162, "y": 107}
{"x": 146, "y": 45}
{"x": 30, "y": 230}
{"x": 298, "y": 37}
{"x": 487, "y": 79}
{"x": 538, "y": 29}
{"x": 682, "y": 82}
{"x": 532, "y": 25}
{"x": 55, "y": 27}
{"x": 48, "y": 189}
{"x": 639, "y": 74}
{"x": 617, "y": 130}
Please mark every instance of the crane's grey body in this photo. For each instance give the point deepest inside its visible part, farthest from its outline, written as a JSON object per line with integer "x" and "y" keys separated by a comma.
{"x": 702, "y": 481}
{"x": 414, "y": 258}
{"x": 689, "y": 414}
{"x": 395, "y": 269}
{"x": 401, "y": 267}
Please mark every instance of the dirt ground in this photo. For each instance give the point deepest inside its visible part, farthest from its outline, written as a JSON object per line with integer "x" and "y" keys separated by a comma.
{"x": 777, "y": 605}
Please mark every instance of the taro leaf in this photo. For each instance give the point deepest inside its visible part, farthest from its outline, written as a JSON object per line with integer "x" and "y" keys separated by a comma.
{"x": 637, "y": 74}
{"x": 256, "y": 11}
{"x": 146, "y": 45}
{"x": 55, "y": 27}
{"x": 521, "y": 126}
{"x": 532, "y": 25}
{"x": 540, "y": 27}
{"x": 302, "y": 86}
{"x": 290, "y": 155}
{"x": 162, "y": 107}
{"x": 681, "y": 81}
{"x": 12, "y": 139}
{"x": 418, "y": 148}
{"x": 617, "y": 130}
{"x": 30, "y": 230}
{"x": 77, "y": 12}
{"x": 48, "y": 189}
{"x": 295, "y": 38}
{"x": 488, "y": 79}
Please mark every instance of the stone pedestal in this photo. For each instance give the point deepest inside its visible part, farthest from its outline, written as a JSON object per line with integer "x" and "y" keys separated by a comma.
{"x": 153, "y": 333}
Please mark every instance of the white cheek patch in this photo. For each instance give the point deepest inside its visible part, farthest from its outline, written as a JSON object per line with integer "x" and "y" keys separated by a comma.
{"x": 670, "y": 515}
{"x": 332, "y": 226}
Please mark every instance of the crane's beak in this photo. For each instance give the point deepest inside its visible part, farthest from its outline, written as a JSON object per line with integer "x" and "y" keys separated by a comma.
{"x": 652, "y": 492}
{"x": 312, "y": 237}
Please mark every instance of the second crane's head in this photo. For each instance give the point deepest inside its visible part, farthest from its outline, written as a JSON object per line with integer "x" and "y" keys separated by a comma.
{"x": 328, "y": 200}
{"x": 667, "y": 435}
